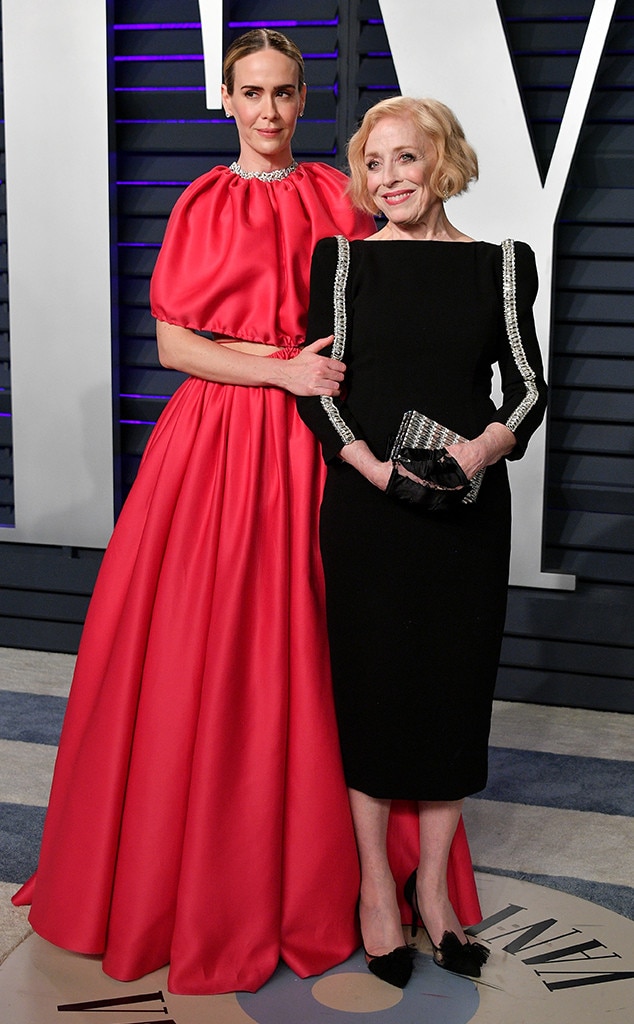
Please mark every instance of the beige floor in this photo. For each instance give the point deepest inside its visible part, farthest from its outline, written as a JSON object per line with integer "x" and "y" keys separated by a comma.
{"x": 554, "y": 960}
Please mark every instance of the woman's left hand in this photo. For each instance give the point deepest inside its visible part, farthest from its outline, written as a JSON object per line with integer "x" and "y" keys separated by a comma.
{"x": 489, "y": 447}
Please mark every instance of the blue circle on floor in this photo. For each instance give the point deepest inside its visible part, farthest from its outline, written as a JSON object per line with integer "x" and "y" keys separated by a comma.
{"x": 431, "y": 994}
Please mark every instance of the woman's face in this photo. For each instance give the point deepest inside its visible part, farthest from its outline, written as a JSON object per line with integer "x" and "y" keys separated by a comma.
{"x": 265, "y": 102}
{"x": 399, "y": 160}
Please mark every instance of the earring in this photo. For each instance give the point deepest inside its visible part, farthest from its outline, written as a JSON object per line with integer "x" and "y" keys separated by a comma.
{"x": 227, "y": 113}
{"x": 445, "y": 195}
{"x": 301, "y": 113}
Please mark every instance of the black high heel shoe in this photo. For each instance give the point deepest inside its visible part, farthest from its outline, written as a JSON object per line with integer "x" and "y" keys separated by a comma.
{"x": 460, "y": 958}
{"x": 395, "y": 967}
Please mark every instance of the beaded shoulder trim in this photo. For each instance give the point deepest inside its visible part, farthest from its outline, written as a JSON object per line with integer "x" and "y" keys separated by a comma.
{"x": 514, "y": 336}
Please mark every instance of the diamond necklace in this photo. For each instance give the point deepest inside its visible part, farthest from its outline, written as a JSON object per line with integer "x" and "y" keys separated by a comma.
{"x": 264, "y": 175}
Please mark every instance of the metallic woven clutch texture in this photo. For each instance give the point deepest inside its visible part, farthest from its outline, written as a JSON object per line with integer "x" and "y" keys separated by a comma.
{"x": 419, "y": 431}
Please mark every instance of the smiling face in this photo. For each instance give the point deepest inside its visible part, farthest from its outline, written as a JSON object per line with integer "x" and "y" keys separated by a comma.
{"x": 266, "y": 101}
{"x": 399, "y": 161}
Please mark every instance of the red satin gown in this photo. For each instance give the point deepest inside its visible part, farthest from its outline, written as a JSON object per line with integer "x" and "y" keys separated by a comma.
{"x": 198, "y": 814}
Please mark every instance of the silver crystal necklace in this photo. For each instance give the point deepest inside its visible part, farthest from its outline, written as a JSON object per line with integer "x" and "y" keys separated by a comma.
{"x": 264, "y": 175}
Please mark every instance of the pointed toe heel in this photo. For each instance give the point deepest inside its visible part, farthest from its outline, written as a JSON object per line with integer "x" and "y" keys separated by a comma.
{"x": 466, "y": 958}
{"x": 395, "y": 967}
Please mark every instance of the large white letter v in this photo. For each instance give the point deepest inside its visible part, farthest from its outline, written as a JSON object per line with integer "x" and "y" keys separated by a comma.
{"x": 456, "y": 51}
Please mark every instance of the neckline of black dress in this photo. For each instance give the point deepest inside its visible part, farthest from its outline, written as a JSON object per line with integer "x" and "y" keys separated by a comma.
{"x": 430, "y": 241}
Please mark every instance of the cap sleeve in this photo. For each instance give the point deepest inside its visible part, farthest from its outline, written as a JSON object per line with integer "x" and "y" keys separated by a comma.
{"x": 235, "y": 258}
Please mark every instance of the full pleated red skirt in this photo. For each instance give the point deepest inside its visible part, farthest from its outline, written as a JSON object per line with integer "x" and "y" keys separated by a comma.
{"x": 198, "y": 814}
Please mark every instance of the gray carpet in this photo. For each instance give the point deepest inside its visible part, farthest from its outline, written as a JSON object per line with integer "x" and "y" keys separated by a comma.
{"x": 558, "y": 809}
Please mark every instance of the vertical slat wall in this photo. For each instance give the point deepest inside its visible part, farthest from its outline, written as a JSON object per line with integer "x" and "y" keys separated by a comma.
{"x": 578, "y": 648}
{"x": 166, "y": 137}
{"x": 571, "y": 648}
{"x": 6, "y": 466}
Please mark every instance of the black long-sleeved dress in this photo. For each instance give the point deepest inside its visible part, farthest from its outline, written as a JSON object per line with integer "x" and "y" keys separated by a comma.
{"x": 416, "y": 601}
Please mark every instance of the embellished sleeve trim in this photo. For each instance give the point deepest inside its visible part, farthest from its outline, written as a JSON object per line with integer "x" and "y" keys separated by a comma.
{"x": 515, "y": 339}
{"x": 340, "y": 326}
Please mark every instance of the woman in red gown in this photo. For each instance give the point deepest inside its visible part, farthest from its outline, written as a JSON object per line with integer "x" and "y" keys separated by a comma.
{"x": 198, "y": 814}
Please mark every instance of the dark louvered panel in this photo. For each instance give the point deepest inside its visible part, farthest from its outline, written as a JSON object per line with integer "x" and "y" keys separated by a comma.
{"x": 20, "y": 604}
{"x": 598, "y": 483}
{"x": 545, "y": 40}
{"x": 610, "y": 438}
{"x": 595, "y": 532}
{"x": 567, "y": 656}
{"x": 163, "y": 130}
{"x": 598, "y": 372}
{"x": 573, "y": 649}
{"x": 375, "y": 74}
{"x": 589, "y": 406}
{"x": 591, "y": 466}
{"x": 568, "y": 689}
{"x": 7, "y": 517}
{"x": 44, "y": 594}
{"x": 561, "y": 648}
{"x": 166, "y": 137}
{"x": 602, "y": 612}
{"x": 245, "y": 13}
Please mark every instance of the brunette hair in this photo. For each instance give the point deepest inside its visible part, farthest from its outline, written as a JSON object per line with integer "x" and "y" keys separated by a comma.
{"x": 260, "y": 39}
{"x": 456, "y": 161}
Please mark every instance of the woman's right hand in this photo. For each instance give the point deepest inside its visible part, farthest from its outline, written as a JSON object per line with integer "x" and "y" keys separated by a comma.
{"x": 358, "y": 455}
{"x": 310, "y": 374}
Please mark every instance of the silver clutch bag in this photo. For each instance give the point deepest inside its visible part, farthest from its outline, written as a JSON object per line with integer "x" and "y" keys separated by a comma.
{"x": 419, "y": 431}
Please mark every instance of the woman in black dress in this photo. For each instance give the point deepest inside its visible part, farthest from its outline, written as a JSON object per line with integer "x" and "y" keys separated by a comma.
{"x": 417, "y": 597}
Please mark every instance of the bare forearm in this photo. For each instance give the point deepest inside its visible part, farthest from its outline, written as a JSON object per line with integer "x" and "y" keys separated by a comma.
{"x": 182, "y": 349}
{"x": 309, "y": 373}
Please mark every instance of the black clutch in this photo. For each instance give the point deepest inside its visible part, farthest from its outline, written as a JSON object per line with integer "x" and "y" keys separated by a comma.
{"x": 418, "y": 431}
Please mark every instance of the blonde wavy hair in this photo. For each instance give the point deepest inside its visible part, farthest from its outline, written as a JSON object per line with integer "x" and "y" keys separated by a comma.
{"x": 456, "y": 161}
